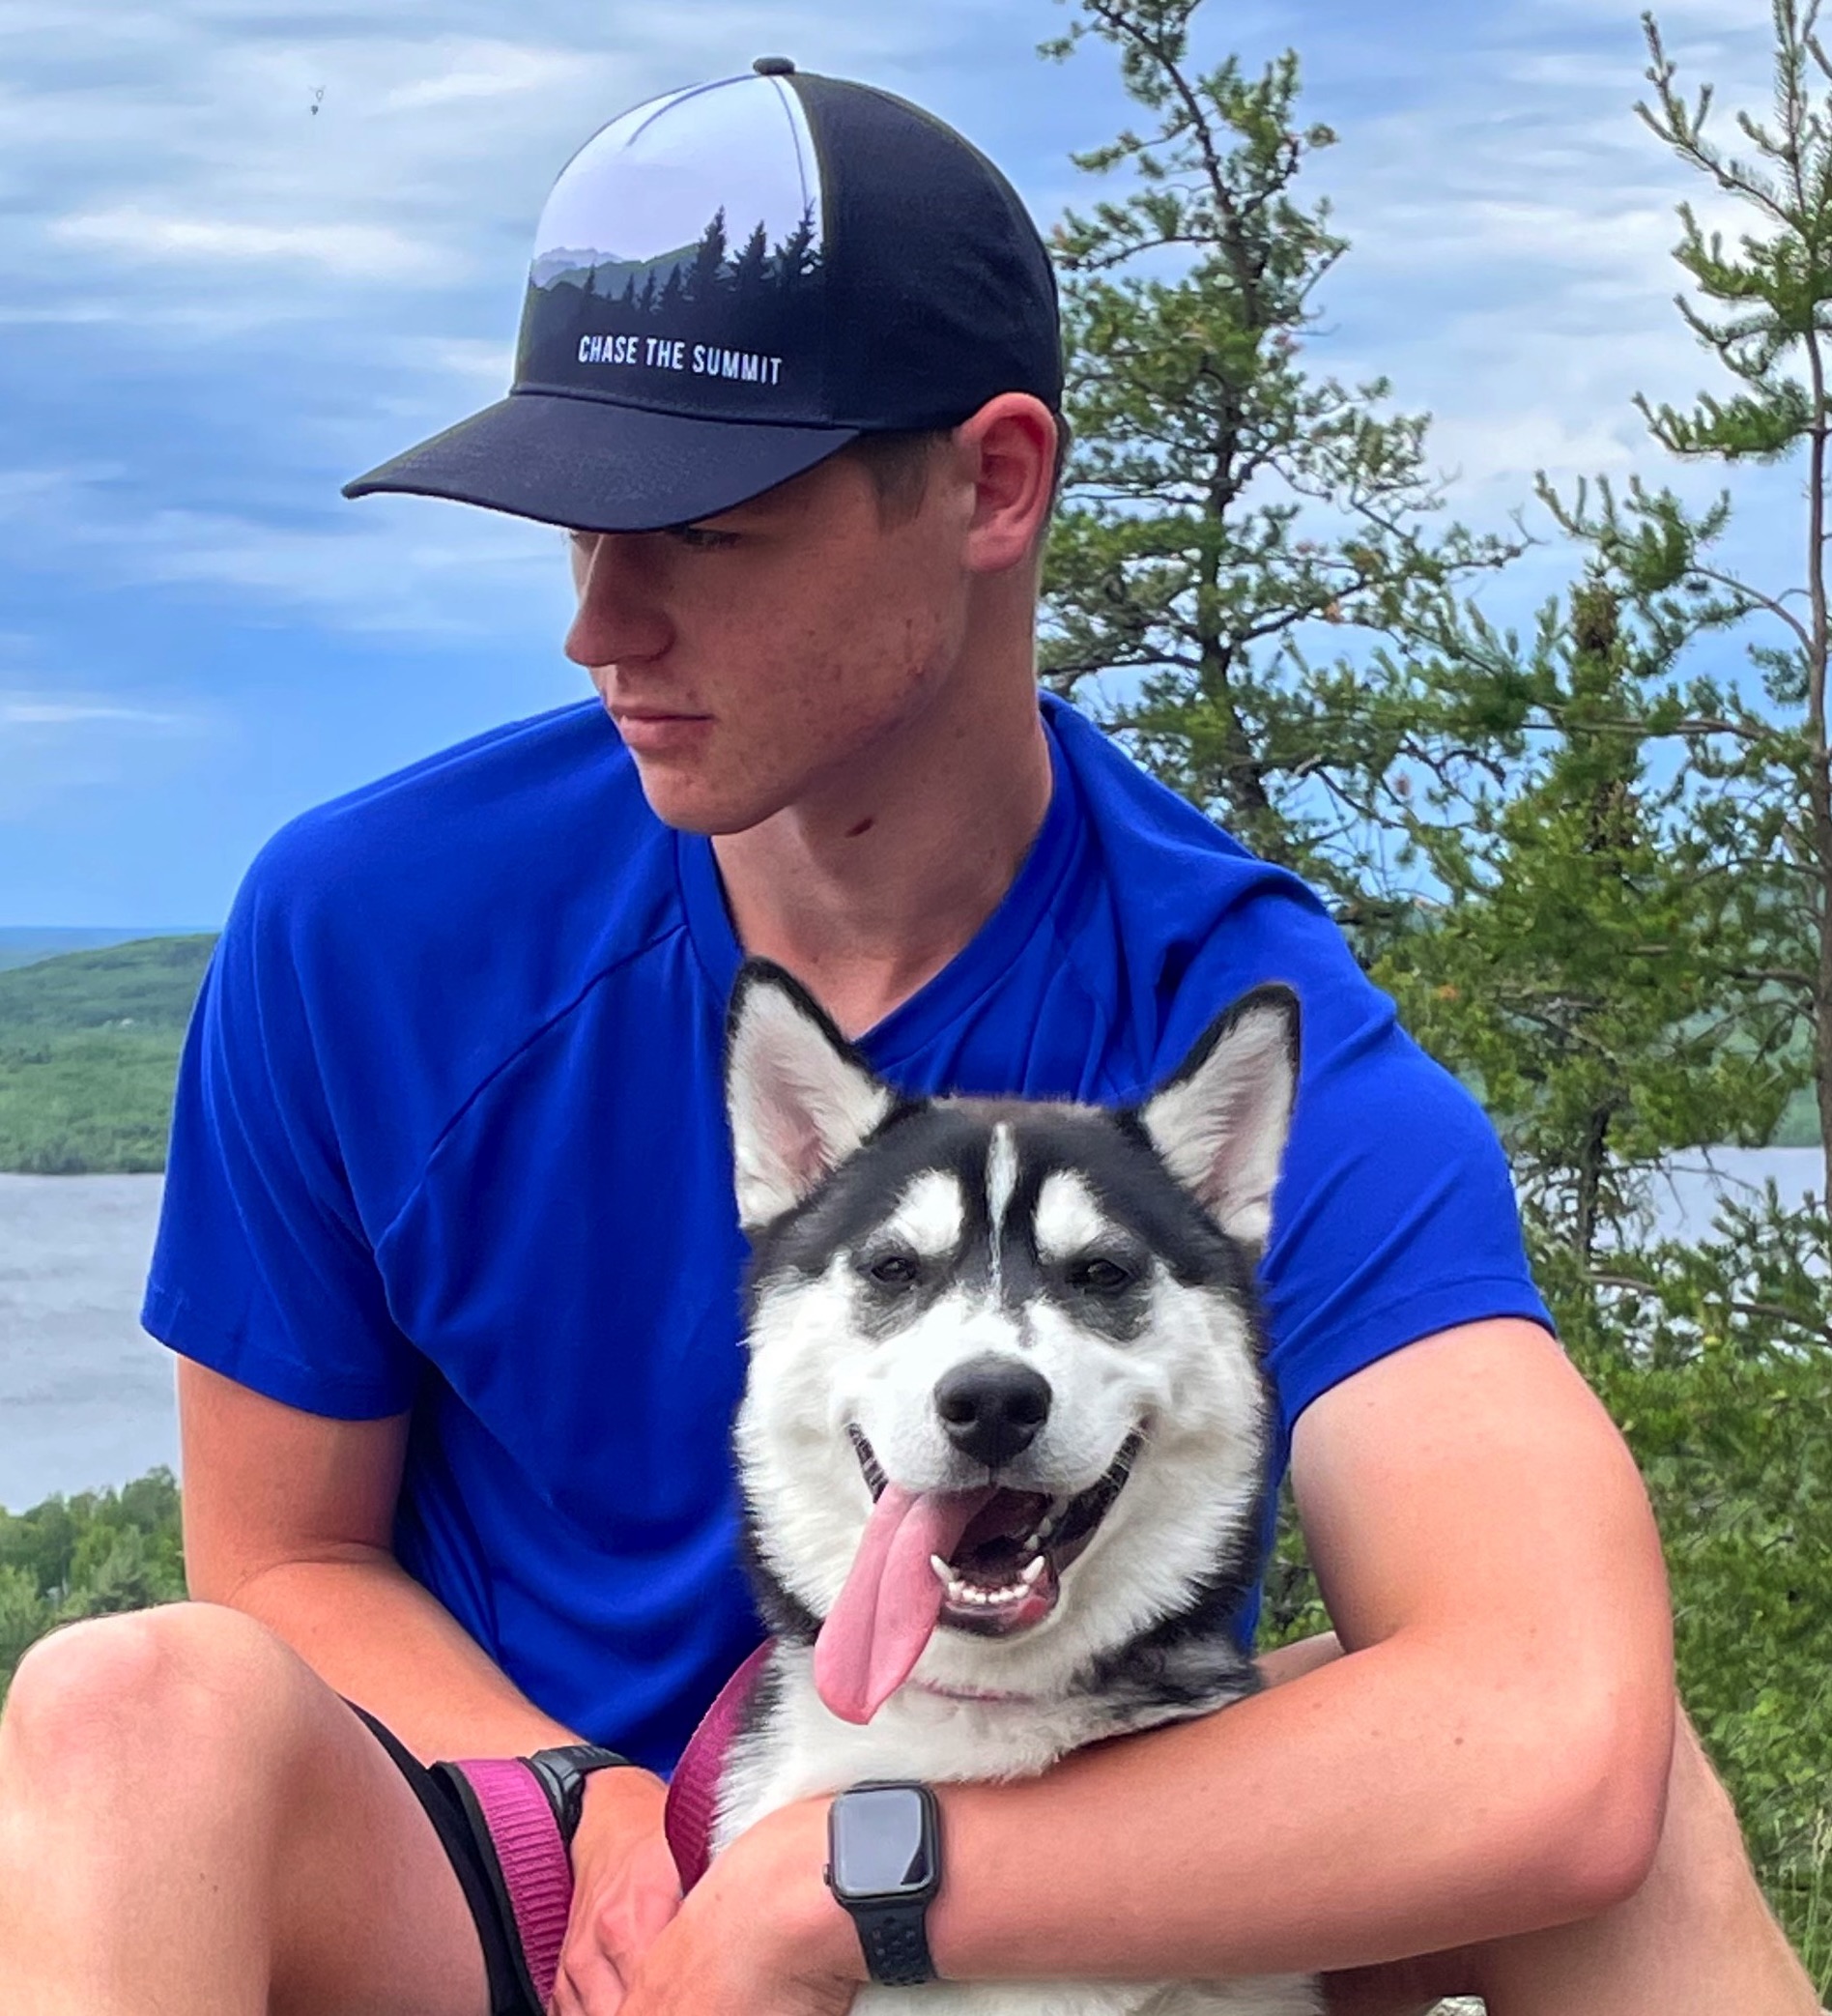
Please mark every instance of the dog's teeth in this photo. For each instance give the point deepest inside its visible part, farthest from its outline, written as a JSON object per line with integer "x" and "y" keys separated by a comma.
{"x": 944, "y": 1574}
{"x": 1028, "y": 1578}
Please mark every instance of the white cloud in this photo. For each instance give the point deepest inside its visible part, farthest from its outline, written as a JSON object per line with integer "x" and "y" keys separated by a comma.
{"x": 1511, "y": 224}
{"x": 444, "y": 571}
{"x": 55, "y": 742}
{"x": 208, "y": 136}
{"x": 355, "y": 252}
{"x": 400, "y": 566}
{"x": 478, "y": 69}
{"x": 27, "y": 710}
{"x": 479, "y": 360}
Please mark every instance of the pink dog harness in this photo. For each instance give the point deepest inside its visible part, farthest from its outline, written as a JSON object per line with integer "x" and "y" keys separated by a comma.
{"x": 687, "y": 1818}
{"x": 532, "y": 1877}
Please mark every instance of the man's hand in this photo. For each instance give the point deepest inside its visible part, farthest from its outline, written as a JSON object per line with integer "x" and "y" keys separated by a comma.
{"x": 759, "y": 1935}
{"x": 625, "y": 1890}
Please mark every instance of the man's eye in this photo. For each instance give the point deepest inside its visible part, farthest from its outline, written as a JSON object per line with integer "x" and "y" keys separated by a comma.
{"x": 1097, "y": 1275}
{"x": 894, "y": 1271}
{"x": 703, "y": 538}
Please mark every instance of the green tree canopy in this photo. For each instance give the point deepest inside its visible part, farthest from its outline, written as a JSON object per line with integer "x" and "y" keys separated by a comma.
{"x": 1225, "y": 502}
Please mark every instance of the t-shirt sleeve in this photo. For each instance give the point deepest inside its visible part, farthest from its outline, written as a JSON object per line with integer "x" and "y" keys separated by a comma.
{"x": 1394, "y": 1216}
{"x": 263, "y": 1268}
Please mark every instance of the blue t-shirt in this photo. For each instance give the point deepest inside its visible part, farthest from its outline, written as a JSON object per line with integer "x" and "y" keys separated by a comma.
{"x": 451, "y": 1137}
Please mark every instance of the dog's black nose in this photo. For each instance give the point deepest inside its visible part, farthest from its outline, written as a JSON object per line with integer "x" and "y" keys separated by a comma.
{"x": 992, "y": 1408}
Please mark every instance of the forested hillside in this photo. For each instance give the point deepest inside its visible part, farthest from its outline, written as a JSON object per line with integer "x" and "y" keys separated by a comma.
{"x": 89, "y": 1045}
{"x": 25, "y": 944}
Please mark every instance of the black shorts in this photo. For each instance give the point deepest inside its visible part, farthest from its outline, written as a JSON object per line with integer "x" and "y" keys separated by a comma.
{"x": 467, "y": 1843}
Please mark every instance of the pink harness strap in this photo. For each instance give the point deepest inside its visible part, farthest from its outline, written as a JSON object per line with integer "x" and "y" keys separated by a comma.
{"x": 536, "y": 1869}
{"x": 693, "y": 1790}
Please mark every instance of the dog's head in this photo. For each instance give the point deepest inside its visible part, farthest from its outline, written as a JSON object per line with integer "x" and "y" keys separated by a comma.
{"x": 1005, "y": 1414}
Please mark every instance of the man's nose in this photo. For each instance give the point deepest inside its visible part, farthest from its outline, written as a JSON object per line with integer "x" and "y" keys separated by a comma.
{"x": 620, "y": 616}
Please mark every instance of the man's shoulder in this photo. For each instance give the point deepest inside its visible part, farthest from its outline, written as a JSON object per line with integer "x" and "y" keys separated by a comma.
{"x": 1195, "y": 913}
{"x": 477, "y": 890}
{"x": 503, "y": 829}
{"x": 511, "y": 786}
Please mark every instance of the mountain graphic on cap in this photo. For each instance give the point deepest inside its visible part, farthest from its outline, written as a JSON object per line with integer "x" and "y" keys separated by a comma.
{"x": 731, "y": 282}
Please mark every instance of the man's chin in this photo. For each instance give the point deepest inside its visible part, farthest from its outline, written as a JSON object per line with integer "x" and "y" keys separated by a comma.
{"x": 693, "y": 805}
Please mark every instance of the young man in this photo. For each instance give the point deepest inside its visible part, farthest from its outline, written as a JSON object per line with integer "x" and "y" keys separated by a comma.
{"x": 450, "y": 1257}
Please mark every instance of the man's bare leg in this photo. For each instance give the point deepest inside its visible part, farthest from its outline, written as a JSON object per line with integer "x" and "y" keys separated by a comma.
{"x": 1698, "y": 1939}
{"x": 190, "y": 1821}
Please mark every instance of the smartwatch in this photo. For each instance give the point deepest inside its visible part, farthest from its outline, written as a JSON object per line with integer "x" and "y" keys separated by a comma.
{"x": 561, "y": 1773}
{"x": 884, "y": 1869}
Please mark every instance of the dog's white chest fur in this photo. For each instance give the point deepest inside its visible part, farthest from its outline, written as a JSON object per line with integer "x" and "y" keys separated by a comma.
{"x": 798, "y": 1751}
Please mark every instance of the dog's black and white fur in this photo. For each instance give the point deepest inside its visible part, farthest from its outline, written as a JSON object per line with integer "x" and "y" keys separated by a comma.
{"x": 951, "y": 1295}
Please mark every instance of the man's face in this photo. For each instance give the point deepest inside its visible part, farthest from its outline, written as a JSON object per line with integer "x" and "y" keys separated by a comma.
{"x": 768, "y": 656}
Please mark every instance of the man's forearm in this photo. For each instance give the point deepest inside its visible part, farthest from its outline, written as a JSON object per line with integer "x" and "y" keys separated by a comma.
{"x": 367, "y": 1628}
{"x": 1384, "y": 1804}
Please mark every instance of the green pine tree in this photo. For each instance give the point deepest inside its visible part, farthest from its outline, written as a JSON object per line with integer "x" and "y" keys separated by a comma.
{"x": 1630, "y": 956}
{"x": 1752, "y": 737}
{"x": 1228, "y": 508}
{"x": 1580, "y": 963}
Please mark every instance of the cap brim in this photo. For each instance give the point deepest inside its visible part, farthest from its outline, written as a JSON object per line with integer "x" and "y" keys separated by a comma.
{"x": 595, "y": 466}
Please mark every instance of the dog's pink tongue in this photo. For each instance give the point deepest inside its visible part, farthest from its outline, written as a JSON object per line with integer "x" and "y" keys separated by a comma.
{"x": 875, "y": 1632}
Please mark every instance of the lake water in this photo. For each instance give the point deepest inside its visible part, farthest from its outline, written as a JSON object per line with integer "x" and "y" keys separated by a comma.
{"x": 86, "y": 1397}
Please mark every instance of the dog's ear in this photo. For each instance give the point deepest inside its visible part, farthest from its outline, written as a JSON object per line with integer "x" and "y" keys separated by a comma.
{"x": 799, "y": 1097}
{"x": 1221, "y": 1123}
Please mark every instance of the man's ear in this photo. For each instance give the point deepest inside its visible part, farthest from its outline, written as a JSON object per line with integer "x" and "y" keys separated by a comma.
{"x": 1014, "y": 438}
{"x": 1221, "y": 1123}
{"x": 799, "y": 1097}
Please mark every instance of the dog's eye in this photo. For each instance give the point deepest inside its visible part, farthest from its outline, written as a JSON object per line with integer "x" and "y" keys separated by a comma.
{"x": 894, "y": 1270}
{"x": 1097, "y": 1275}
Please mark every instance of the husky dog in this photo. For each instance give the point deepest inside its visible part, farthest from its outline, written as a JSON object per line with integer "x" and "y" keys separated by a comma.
{"x": 1004, "y": 1442}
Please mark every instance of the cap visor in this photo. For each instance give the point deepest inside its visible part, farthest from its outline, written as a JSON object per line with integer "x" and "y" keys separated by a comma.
{"x": 595, "y": 466}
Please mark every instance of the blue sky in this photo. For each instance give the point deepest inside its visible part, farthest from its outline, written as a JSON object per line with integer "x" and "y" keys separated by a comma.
{"x": 217, "y": 304}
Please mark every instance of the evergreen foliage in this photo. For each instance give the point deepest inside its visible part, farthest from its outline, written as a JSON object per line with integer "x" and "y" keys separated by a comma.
{"x": 1754, "y": 746}
{"x": 1592, "y": 863}
{"x": 1589, "y": 963}
{"x": 1224, "y": 503}
{"x": 148, "y": 983}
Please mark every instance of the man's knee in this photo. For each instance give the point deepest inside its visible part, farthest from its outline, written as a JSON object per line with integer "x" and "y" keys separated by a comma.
{"x": 1703, "y": 1859}
{"x": 118, "y": 1700}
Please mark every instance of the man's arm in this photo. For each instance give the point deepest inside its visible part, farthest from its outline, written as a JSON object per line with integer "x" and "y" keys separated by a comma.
{"x": 1490, "y": 1757}
{"x": 289, "y": 1517}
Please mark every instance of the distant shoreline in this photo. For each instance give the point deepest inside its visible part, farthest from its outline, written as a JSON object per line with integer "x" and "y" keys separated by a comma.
{"x": 92, "y": 1024}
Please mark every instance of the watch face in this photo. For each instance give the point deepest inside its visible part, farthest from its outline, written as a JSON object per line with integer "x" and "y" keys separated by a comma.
{"x": 881, "y": 1847}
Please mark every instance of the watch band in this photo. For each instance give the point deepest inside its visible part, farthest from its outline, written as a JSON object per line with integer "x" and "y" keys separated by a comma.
{"x": 894, "y": 1940}
{"x": 891, "y": 1914}
{"x": 561, "y": 1773}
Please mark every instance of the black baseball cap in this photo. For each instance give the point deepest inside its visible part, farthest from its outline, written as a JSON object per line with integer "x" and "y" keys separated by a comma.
{"x": 730, "y": 284}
